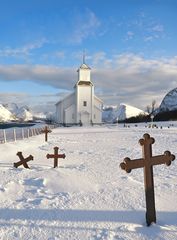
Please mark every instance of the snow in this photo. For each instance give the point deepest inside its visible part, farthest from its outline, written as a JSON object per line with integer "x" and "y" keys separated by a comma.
{"x": 88, "y": 196}
{"x": 124, "y": 111}
{"x": 127, "y": 111}
{"x": 5, "y": 114}
{"x": 11, "y": 111}
{"x": 24, "y": 114}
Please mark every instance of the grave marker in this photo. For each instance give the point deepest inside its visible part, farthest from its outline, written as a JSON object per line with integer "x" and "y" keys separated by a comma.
{"x": 147, "y": 163}
{"x": 46, "y": 131}
{"x": 56, "y": 156}
{"x": 23, "y": 161}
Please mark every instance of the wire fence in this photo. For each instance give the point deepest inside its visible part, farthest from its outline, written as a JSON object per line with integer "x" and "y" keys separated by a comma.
{"x": 14, "y": 134}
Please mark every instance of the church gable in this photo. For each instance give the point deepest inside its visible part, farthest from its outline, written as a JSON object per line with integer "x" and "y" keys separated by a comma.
{"x": 84, "y": 66}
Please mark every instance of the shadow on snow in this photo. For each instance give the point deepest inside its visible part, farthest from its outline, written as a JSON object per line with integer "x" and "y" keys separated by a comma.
{"x": 67, "y": 215}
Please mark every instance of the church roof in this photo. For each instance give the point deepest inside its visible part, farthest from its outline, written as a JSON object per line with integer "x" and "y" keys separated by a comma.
{"x": 84, "y": 66}
{"x": 67, "y": 96}
{"x": 98, "y": 99}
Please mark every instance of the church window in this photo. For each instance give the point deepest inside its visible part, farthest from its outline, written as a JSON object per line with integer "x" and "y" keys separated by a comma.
{"x": 84, "y": 103}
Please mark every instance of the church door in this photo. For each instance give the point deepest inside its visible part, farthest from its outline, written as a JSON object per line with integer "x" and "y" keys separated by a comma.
{"x": 85, "y": 118}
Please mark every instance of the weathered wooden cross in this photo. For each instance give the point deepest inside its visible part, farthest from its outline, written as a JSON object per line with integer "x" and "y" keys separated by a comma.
{"x": 23, "y": 161}
{"x": 56, "y": 156}
{"x": 46, "y": 131}
{"x": 147, "y": 163}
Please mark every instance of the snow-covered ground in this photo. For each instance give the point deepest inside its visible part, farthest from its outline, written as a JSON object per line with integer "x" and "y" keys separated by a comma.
{"x": 88, "y": 196}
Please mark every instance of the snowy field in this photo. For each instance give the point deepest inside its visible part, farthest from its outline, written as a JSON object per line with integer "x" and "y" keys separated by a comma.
{"x": 88, "y": 196}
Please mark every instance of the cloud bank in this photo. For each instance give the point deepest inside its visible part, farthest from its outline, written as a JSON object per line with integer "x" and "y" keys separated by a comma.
{"x": 125, "y": 78}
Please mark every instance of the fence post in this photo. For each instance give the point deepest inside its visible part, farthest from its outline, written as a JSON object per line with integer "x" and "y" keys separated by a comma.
{"x": 28, "y": 133}
{"x": 4, "y": 133}
{"x": 15, "y": 138}
{"x": 23, "y": 133}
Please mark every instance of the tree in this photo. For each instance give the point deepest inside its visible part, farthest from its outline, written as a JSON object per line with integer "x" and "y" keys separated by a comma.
{"x": 151, "y": 108}
{"x": 148, "y": 109}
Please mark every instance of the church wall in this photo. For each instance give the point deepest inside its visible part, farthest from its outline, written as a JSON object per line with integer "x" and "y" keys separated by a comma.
{"x": 62, "y": 106}
{"x": 97, "y": 113}
{"x": 58, "y": 112}
{"x": 84, "y": 95}
{"x": 69, "y": 114}
{"x": 84, "y": 75}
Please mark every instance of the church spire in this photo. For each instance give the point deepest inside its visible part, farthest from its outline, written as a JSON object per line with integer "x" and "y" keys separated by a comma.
{"x": 84, "y": 65}
{"x": 84, "y": 56}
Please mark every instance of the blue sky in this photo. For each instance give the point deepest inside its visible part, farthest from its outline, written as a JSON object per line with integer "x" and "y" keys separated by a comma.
{"x": 130, "y": 46}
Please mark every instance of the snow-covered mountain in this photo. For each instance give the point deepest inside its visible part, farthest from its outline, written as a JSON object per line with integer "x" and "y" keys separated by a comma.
{"x": 11, "y": 111}
{"x": 109, "y": 113}
{"x": 169, "y": 102}
{"x": 5, "y": 114}
{"x": 124, "y": 111}
{"x": 24, "y": 115}
{"x": 12, "y": 107}
{"x": 127, "y": 111}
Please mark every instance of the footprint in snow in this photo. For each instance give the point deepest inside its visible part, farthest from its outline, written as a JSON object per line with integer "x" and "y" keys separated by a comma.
{"x": 37, "y": 182}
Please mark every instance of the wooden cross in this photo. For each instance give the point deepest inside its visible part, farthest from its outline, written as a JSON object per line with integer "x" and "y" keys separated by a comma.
{"x": 46, "y": 131}
{"x": 147, "y": 163}
{"x": 23, "y": 161}
{"x": 56, "y": 156}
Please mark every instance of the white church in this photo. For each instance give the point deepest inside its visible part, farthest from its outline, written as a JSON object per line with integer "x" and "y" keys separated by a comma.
{"x": 81, "y": 106}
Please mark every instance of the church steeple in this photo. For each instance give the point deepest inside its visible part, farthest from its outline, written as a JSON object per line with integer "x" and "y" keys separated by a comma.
{"x": 84, "y": 71}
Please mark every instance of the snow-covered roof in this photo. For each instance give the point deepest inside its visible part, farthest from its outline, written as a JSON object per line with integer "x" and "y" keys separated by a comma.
{"x": 69, "y": 95}
{"x": 97, "y": 98}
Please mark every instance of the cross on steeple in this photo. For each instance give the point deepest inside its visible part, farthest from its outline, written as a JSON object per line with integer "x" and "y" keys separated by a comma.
{"x": 147, "y": 163}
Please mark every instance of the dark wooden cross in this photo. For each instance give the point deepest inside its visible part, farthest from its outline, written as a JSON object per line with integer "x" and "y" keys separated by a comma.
{"x": 23, "y": 161}
{"x": 147, "y": 163}
{"x": 46, "y": 131}
{"x": 56, "y": 156}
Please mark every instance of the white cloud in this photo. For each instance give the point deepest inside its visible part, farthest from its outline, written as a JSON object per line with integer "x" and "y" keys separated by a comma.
{"x": 158, "y": 28}
{"x": 129, "y": 35}
{"x": 48, "y": 75}
{"x": 59, "y": 54}
{"x": 22, "y": 51}
{"x": 128, "y": 78}
{"x": 145, "y": 28}
{"x": 85, "y": 26}
{"x": 149, "y": 38}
